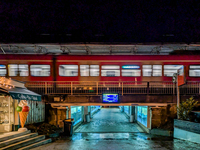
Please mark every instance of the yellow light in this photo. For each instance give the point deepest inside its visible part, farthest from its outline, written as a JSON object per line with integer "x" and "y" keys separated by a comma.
{"x": 90, "y": 88}
{"x": 85, "y": 88}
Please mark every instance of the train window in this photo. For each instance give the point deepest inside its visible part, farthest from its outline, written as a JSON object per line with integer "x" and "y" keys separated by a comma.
{"x": 110, "y": 70}
{"x": 131, "y": 71}
{"x": 157, "y": 70}
{"x": 147, "y": 70}
{"x": 84, "y": 70}
{"x": 12, "y": 69}
{"x": 94, "y": 70}
{"x": 23, "y": 70}
{"x": 194, "y": 71}
{"x": 3, "y": 70}
{"x": 169, "y": 70}
{"x": 152, "y": 70}
{"x": 68, "y": 70}
{"x": 40, "y": 70}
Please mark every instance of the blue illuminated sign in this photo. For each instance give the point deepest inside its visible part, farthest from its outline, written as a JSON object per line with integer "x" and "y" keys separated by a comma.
{"x": 110, "y": 98}
{"x": 130, "y": 67}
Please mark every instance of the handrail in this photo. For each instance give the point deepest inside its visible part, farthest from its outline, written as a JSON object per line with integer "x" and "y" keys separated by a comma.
{"x": 121, "y": 87}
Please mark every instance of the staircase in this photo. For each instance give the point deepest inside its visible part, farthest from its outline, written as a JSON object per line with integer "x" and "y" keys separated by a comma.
{"x": 21, "y": 140}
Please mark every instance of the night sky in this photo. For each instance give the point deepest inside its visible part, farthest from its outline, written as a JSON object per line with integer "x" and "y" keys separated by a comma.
{"x": 100, "y": 21}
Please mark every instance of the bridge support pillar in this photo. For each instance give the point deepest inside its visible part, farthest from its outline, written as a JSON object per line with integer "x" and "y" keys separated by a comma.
{"x": 86, "y": 112}
{"x": 122, "y": 108}
{"x": 69, "y": 112}
{"x": 132, "y": 113}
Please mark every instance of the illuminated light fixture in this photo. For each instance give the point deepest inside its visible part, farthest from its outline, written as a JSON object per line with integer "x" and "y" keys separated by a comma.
{"x": 79, "y": 88}
{"x": 130, "y": 67}
{"x": 10, "y": 87}
{"x": 107, "y": 88}
{"x": 6, "y": 85}
{"x": 90, "y": 88}
{"x": 85, "y": 88}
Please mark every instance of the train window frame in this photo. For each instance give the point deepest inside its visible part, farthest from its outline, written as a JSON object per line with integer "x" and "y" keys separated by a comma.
{"x": 118, "y": 70}
{"x": 9, "y": 72}
{"x": 130, "y": 68}
{"x": 41, "y": 65}
{"x": 193, "y": 69}
{"x": 3, "y": 69}
{"x": 152, "y": 70}
{"x": 157, "y": 69}
{"x": 90, "y": 70}
{"x": 87, "y": 69}
{"x": 168, "y": 69}
{"x": 147, "y": 68}
{"x": 20, "y": 71}
{"x": 69, "y": 65}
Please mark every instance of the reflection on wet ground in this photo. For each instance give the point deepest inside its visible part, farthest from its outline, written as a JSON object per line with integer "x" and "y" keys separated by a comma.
{"x": 109, "y": 120}
{"x": 118, "y": 141}
{"x": 93, "y": 136}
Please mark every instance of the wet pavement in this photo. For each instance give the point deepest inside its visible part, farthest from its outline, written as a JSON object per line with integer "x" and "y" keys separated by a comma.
{"x": 118, "y": 141}
{"x": 93, "y": 136}
{"x": 109, "y": 120}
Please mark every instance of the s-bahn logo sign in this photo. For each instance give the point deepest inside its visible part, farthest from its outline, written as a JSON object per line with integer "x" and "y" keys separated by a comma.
{"x": 25, "y": 97}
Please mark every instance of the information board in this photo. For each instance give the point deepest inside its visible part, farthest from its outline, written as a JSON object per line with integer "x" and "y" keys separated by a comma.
{"x": 110, "y": 98}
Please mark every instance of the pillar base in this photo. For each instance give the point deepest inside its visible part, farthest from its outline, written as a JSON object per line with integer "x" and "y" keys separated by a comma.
{"x": 22, "y": 129}
{"x": 131, "y": 118}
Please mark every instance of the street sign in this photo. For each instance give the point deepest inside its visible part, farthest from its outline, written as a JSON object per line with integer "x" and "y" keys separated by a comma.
{"x": 174, "y": 77}
{"x": 181, "y": 76}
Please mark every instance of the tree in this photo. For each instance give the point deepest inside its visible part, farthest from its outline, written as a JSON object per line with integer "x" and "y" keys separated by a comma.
{"x": 185, "y": 108}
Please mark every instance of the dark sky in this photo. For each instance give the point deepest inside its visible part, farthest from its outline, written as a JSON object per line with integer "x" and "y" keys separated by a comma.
{"x": 100, "y": 21}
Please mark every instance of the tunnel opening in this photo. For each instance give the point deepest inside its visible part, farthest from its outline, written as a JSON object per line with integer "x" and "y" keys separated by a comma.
{"x": 109, "y": 119}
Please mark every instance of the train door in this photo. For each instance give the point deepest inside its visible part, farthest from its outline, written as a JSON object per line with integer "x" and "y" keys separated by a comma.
{"x": 89, "y": 71}
{"x": 152, "y": 72}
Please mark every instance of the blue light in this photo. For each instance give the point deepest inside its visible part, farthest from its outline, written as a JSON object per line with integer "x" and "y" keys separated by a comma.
{"x": 130, "y": 67}
{"x": 110, "y": 98}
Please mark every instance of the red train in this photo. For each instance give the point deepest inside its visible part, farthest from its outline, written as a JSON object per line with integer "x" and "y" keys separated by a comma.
{"x": 98, "y": 67}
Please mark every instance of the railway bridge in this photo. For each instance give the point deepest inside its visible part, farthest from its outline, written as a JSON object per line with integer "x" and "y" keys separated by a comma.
{"x": 150, "y": 104}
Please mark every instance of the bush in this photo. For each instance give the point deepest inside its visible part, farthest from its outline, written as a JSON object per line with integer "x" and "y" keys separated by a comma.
{"x": 185, "y": 108}
{"x": 43, "y": 128}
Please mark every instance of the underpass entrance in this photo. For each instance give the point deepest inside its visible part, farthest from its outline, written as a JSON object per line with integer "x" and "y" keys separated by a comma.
{"x": 109, "y": 120}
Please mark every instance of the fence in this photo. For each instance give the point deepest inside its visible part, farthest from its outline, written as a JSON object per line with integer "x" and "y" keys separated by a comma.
{"x": 99, "y": 87}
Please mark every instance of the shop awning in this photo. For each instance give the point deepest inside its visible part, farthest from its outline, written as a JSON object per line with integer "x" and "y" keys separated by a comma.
{"x": 23, "y": 94}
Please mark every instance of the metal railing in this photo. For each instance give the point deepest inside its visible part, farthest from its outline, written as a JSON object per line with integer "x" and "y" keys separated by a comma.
{"x": 99, "y": 87}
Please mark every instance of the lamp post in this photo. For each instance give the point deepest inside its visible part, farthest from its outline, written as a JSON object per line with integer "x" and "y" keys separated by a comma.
{"x": 175, "y": 80}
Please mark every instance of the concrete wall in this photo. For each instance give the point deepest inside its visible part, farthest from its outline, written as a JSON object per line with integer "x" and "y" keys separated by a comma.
{"x": 142, "y": 98}
{"x": 56, "y": 116}
{"x": 160, "y": 116}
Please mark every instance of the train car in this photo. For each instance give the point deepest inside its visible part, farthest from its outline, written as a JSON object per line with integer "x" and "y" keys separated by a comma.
{"x": 98, "y": 67}
{"x": 27, "y": 67}
{"x": 126, "y": 68}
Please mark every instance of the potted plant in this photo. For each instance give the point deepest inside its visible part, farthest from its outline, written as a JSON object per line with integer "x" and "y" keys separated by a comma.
{"x": 184, "y": 128}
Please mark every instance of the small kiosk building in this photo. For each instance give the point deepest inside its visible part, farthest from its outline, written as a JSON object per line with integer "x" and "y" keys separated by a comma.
{"x": 11, "y": 93}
